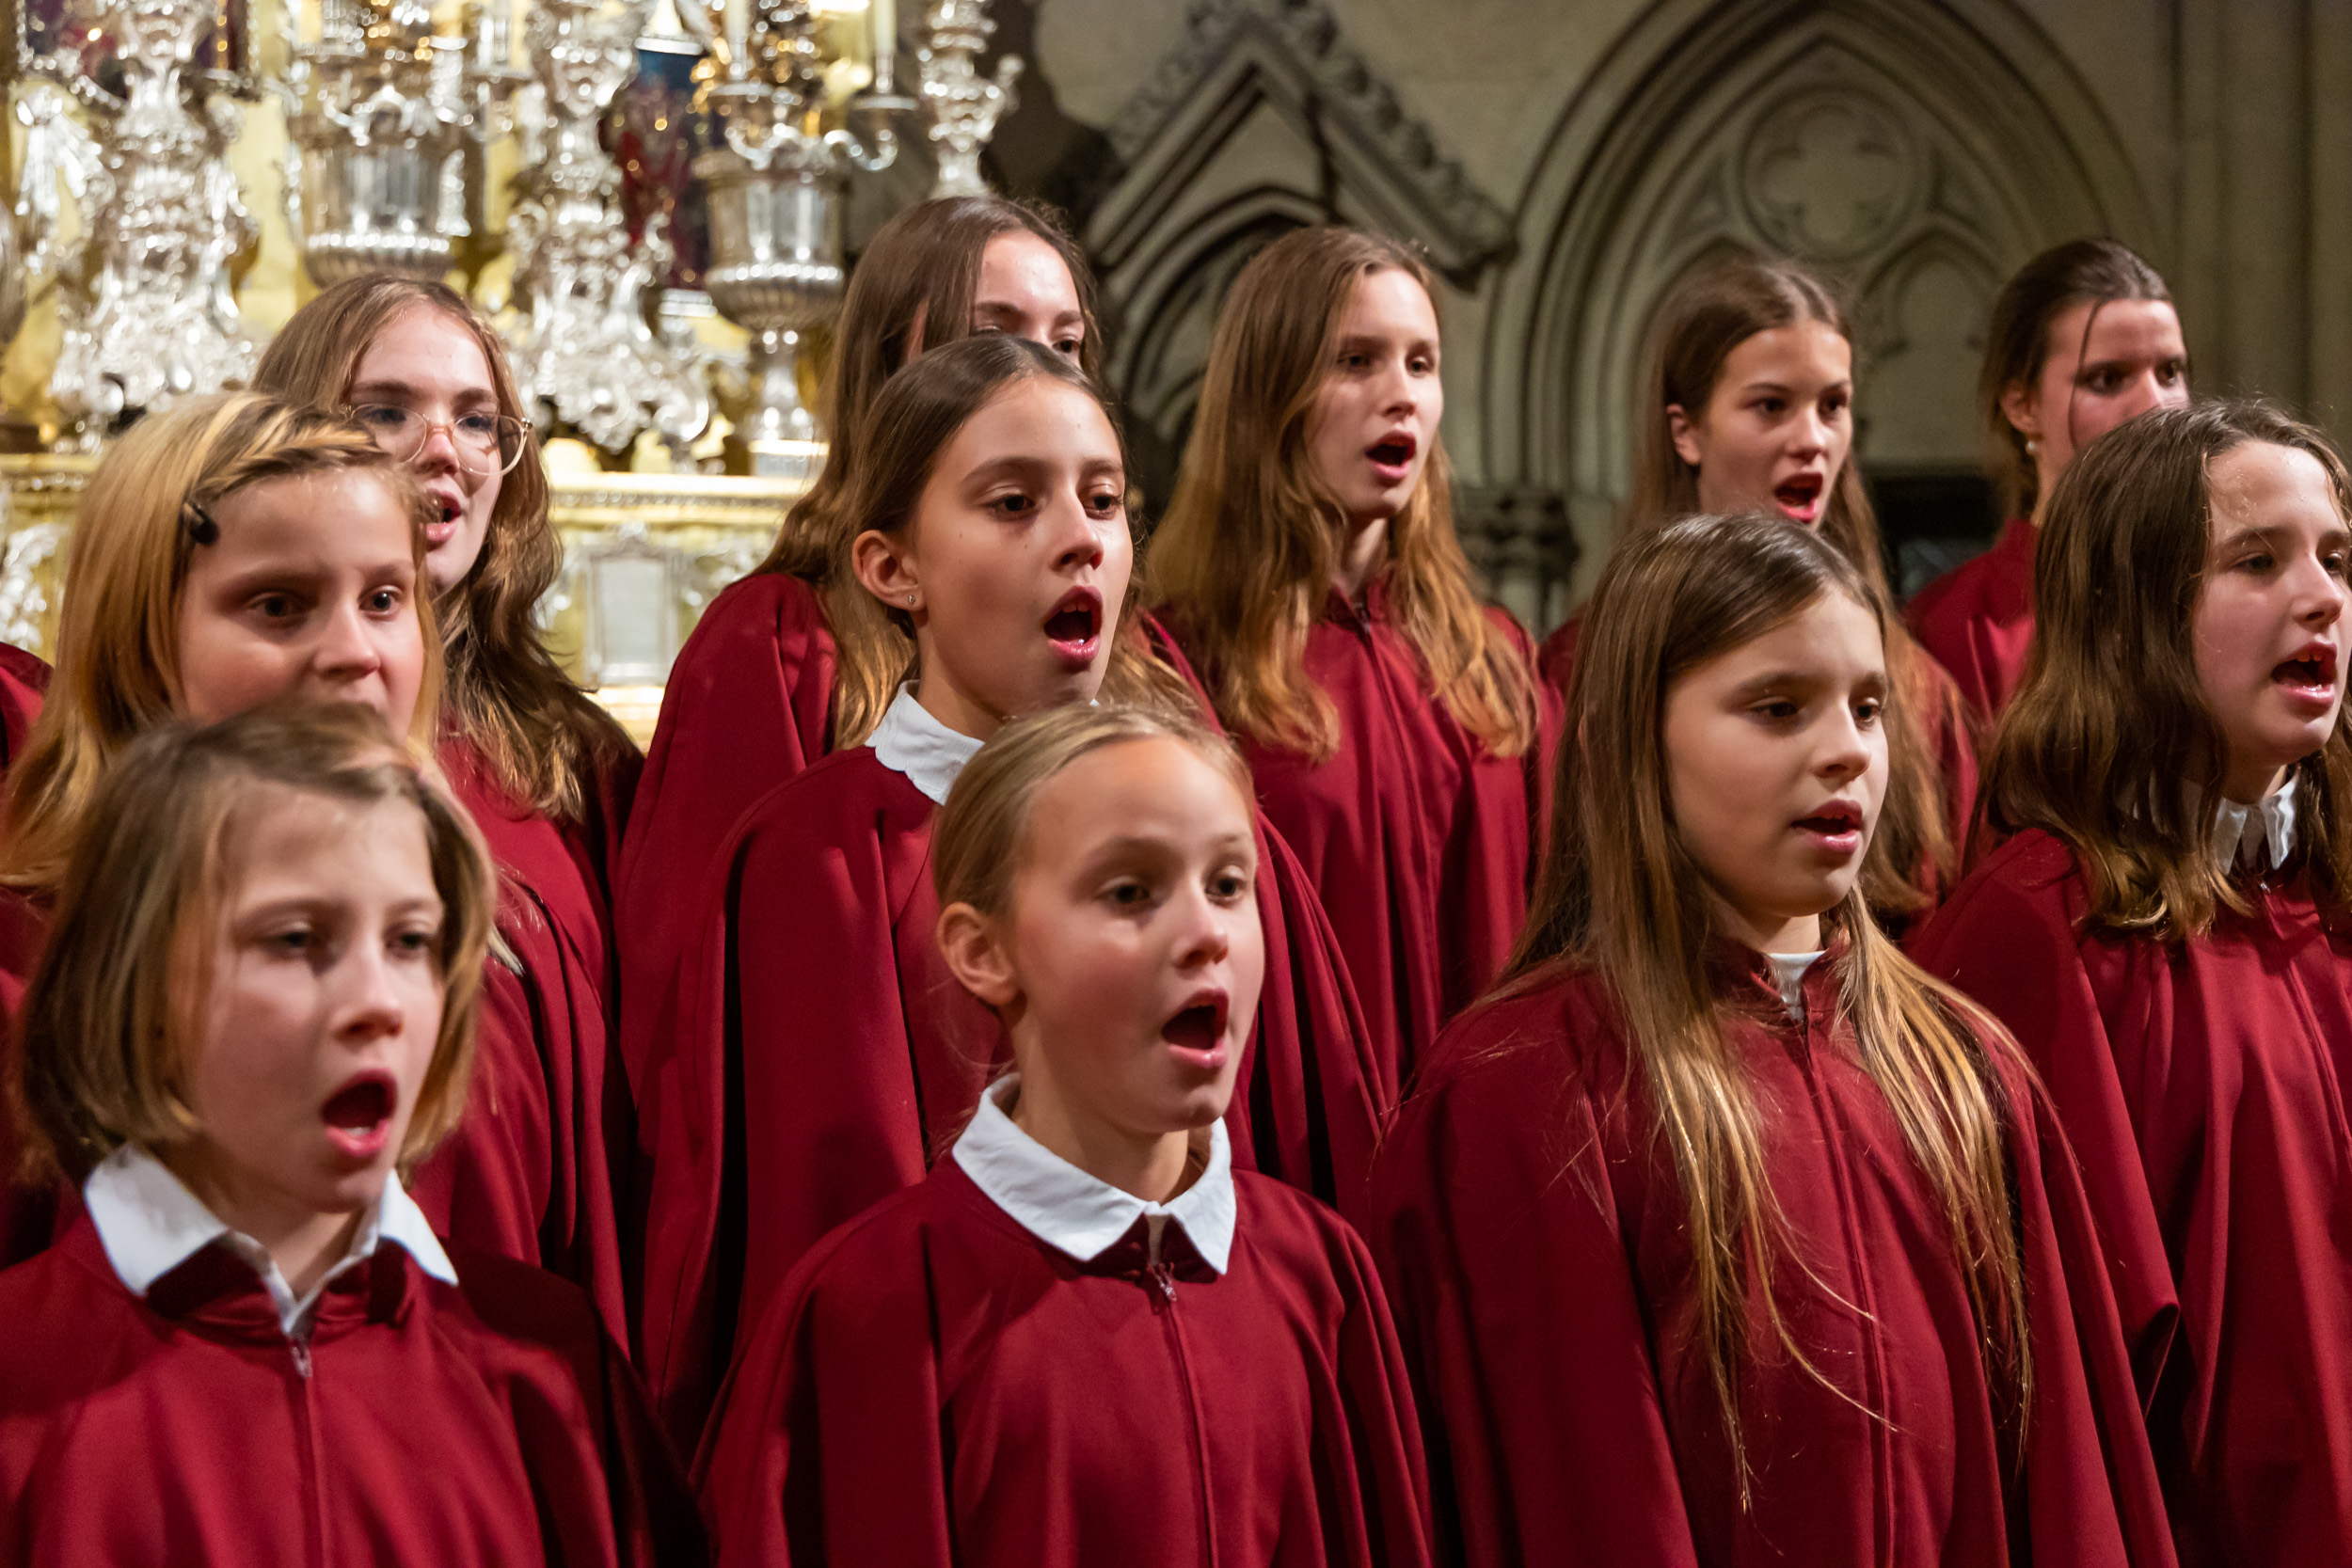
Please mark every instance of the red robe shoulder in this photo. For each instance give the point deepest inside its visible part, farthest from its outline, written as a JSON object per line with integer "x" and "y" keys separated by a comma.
{"x": 749, "y": 704}
{"x": 24, "y": 682}
{"x": 938, "y": 1386}
{"x": 1977, "y": 618}
{"x": 2204, "y": 1084}
{"x": 1530, "y": 1228}
{"x": 488, "y": 1422}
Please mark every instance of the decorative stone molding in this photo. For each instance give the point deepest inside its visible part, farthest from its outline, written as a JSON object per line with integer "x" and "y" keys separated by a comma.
{"x": 1519, "y": 544}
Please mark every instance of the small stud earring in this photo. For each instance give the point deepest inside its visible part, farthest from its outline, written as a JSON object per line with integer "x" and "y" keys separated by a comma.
{"x": 2033, "y": 445}
{"x": 909, "y": 600}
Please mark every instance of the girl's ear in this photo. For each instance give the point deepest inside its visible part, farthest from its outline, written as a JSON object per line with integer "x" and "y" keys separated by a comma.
{"x": 978, "y": 956}
{"x": 886, "y": 570}
{"x": 2020, "y": 405}
{"x": 1685, "y": 434}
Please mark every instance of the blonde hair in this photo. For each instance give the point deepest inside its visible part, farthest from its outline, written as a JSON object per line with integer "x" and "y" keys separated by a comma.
{"x": 1701, "y": 323}
{"x": 118, "y": 997}
{"x": 1623, "y": 898}
{"x": 2110, "y": 744}
{"x": 1247, "y": 552}
{"x": 981, "y": 834}
{"x": 134, "y": 532}
{"x": 912, "y": 423}
{"x": 543, "y": 739}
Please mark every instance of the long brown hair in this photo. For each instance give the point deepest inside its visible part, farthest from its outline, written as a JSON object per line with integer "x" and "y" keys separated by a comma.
{"x": 1621, "y": 896}
{"x": 117, "y": 671}
{"x": 1247, "y": 552}
{"x": 118, "y": 999}
{"x": 543, "y": 739}
{"x": 2017, "y": 341}
{"x": 921, "y": 272}
{"x": 2110, "y": 744}
{"x": 912, "y": 423}
{"x": 1701, "y": 323}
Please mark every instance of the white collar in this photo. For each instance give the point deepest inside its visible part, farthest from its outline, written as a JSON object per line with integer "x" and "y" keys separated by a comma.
{"x": 150, "y": 1223}
{"x": 1789, "y": 972}
{"x": 1073, "y": 1212}
{"x": 910, "y": 741}
{"x": 2260, "y": 836}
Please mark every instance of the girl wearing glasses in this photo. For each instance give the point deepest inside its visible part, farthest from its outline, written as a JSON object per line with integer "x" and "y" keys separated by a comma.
{"x": 546, "y": 773}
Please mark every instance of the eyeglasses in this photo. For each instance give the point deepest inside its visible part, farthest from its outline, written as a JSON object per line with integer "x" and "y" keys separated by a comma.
{"x": 486, "y": 443}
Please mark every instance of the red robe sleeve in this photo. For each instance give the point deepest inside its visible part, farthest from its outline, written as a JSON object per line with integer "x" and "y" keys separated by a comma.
{"x": 937, "y": 1386}
{"x": 1977, "y": 618}
{"x": 749, "y": 704}
{"x": 820, "y": 1054}
{"x": 24, "y": 682}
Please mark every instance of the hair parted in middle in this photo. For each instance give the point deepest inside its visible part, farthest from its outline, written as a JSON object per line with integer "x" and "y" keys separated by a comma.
{"x": 981, "y": 835}
{"x": 1708, "y": 315}
{"x": 117, "y": 668}
{"x": 543, "y": 739}
{"x": 1246, "y": 551}
{"x": 118, "y": 997}
{"x": 1622, "y": 896}
{"x": 917, "y": 415}
{"x": 2110, "y": 744}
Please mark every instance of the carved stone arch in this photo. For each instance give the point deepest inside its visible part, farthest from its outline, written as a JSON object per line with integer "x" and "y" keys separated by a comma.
{"x": 1849, "y": 132}
{"x": 1923, "y": 312}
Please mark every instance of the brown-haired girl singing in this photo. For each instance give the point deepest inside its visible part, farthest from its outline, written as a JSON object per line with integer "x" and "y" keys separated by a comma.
{"x": 1749, "y": 406}
{"x": 1721, "y": 1233}
{"x": 1310, "y": 569}
{"x": 2083, "y": 338}
{"x": 2168, "y": 934}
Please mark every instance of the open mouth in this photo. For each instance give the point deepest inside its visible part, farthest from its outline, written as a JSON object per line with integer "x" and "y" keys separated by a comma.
{"x": 1838, "y": 826}
{"x": 446, "y": 524}
{"x": 1800, "y": 495}
{"x": 1196, "y": 1033}
{"x": 1075, "y": 627}
{"x": 359, "y": 1115}
{"x": 1392, "y": 456}
{"x": 2310, "y": 674}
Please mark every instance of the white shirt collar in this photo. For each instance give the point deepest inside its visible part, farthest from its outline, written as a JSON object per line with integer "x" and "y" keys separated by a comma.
{"x": 2260, "y": 836}
{"x": 150, "y": 1223}
{"x": 1789, "y": 972}
{"x": 1068, "y": 1209}
{"x": 910, "y": 741}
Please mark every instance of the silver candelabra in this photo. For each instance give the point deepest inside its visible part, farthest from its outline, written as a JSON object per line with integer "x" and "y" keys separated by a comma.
{"x": 965, "y": 105}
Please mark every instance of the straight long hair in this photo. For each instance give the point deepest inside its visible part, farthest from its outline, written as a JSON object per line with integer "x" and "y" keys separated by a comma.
{"x": 1622, "y": 896}
{"x": 545, "y": 741}
{"x": 917, "y": 415}
{"x": 1701, "y": 323}
{"x": 2110, "y": 744}
{"x": 1250, "y": 544}
{"x": 2017, "y": 344}
{"x": 117, "y": 671}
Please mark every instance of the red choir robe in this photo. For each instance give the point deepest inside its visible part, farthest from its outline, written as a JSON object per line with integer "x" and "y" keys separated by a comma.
{"x": 533, "y": 1168}
{"x": 490, "y": 1421}
{"x": 817, "y": 1054}
{"x": 1530, "y": 1228}
{"x": 1977, "y": 618}
{"x": 26, "y": 1216}
{"x": 1421, "y": 842}
{"x": 2203, "y": 1084}
{"x": 23, "y": 681}
{"x": 939, "y": 1383}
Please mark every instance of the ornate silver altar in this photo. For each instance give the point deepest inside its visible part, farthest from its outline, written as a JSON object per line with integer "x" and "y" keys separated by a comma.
{"x": 965, "y": 105}
{"x": 144, "y": 292}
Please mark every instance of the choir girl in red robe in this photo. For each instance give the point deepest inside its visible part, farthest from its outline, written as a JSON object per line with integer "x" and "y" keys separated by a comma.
{"x": 794, "y": 662}
{"x": 225, "y": 551}
{"x": 1310, "y": 569}
{"x": 1749, "y": 407}
{"x": 545, "y": 772}
{"x": 2082, "y": 339}
{"x": 2166, "y": 933}
{"x": 820, "y": 1054}
{"x": 1084, "y": 1337}
{"x": 255, "y": 1011}
{"x": 1721, "y": 1234}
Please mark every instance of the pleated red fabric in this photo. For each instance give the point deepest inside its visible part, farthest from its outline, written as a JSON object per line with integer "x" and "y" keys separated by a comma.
{"x": 1530, "y": 1228}
{"x": 935, "y": 1385}
{"x": 1419, "y": 840}
{"x": 532, "y": 1172}
{"x": 489, "y": 1422}
{"x": 1977, "y": 618}
{"x": 2204, "y": 1084}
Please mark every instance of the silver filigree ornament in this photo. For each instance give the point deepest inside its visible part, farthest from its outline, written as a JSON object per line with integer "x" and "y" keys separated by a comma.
{"x": 585, "y": 349}
{"x": 143, "y": 289}
{"x": 965, "y": 105}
